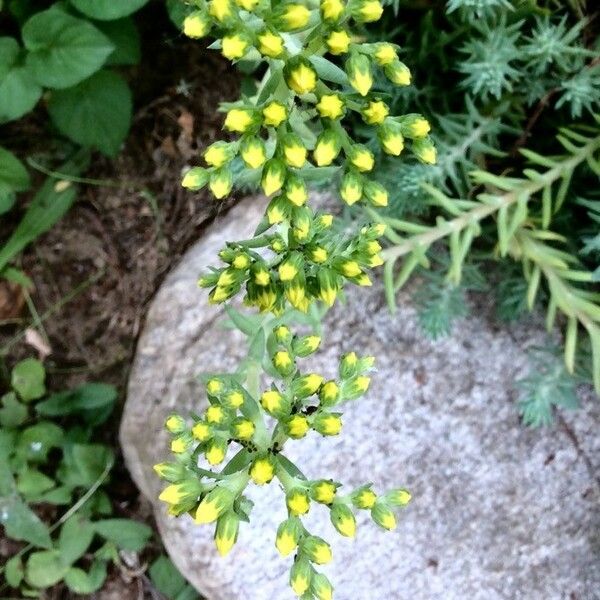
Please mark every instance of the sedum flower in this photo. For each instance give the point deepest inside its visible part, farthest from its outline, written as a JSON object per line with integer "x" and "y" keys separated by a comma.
{"x": 219, "y": 153}
{"x": 352, "y": 188}
{"x": 391, "y": 138}
{"x": 274, "y": 114}
{"x": 171, "y": 471}
{"x": 332, "y": 10}
{"x": 182, "y": 492}
{"x": 201, "y": 431}
{"x": 385, "y": 54}
{"x": 327, "y": 148}
{"x": 358, "y": 69}
{"x": 288, "y": 534}
{"x": 367, "y": 11}
{"x": 306, "y": 345}
{"x": 234, "y": 46}
{"x": 398, "y": 73}
{"x": 283, "y": 362}
{"x": 425, "y": 151}
{"x": 316, "y": 549}
{"x": 175, "y": 424}
{"x": 361, "y": 157}
{"x": 327, "y": 286}
{"x": 214, "y": 504}
{"x": 221, "y": 182}
{"x": 226, "y": 532}
{"x": 293, "y": 150}
{"x": 364, "y": 498}
{"x": 375, "y": 112}
{"x": 180, "y": 444}
{"x": 329, "y": 393}
{"x": 415, "y": 126}
{"x": 398, "y": 497}
{"x": 298, "y": 502}
{"x": 343, "y": 519}
{"x": 273, "y": 176}
{"x": 338, "y": 42}
{"x": 376, "y": 194}
{"x": 243, "y": 429}
{"x": 273, "y": 402}
{"x": 307, "y": 385}
{"x": 282, "y": 334}
{"x": 300, "y": 75}
{"x": 262, "y": 471}
{"x": 215, "y": 451}
{"x": 328, "y": 423}
{"x": 317, "y": 254}
{"x": 270, "y": 44}
{"x": 253, "y": 152}
{"x": 239, "y": 120}
{"x": 296, "y": 191}
{"x": 293, "y": 16}
{"x": 330, "y": 106}
{"x": 196, "y": 24}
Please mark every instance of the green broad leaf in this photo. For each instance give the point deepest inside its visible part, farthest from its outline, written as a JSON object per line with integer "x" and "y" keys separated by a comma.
{"x": 92, "y": 401}
{"x": 63, "y": 50}
{"x": 244, "y": 323}
{"x": 12, "y": 413}
{"x": 124, "y": 533}
{"x": 45, "y": 568}
{"x": 59, "y": 496}
{"x": 169, "y": 582}
{"x": 76, "y": 535}
{"x": 36, "y": 441}
{"x": 96, "y": 113}
{"x": 290, "y": 467}
{"x": 80, "y": 582}
{"x": 14, "y": 572}
{"x": 328, "y": 71}
{"x": 257, "y": 346}
{"x": 19, "y": 92}
{"x": 32, "y": 482}
{"x": 125, "y": 37}
{"x": 241, "y": 460}
{"x": 49, "y": 204}
{"x": 13, "y": 174}
{"x": 27, "y": 379}
{"x": 107, "y": 10}
{"x": 21, "y": 523}
{"x": 9, "y": 52}
{"x": 17, "y": 276}
{"x": 84, "y": 464}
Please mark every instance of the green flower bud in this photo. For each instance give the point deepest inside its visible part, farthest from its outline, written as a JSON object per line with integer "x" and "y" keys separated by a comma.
{"x": 226, "y": 532}
{"x": 346, "y": 266}
{"x": 327, "y": 148}
{"x": 382, "y": 514}
{"x": 214, "y": 504}
{"x": 288, "y": 534}
{"x": 170, "y": 471}
{"x": 361, "y": 157}
{"x": 385, "y": 54}
{"x": 306, "y": 345}
{"x": 398, "y": 73}
{"x": 301, "y": 575}
{"x": 221, "y": 182}
{"x": 328, "y": 285}
{"x": 352, "y": 188}
{"x": 358, "y": 69}
{"x": 367, "y": 11}
{"x": 343, "y": 519}
{"x": 414, "y": 126}
{"x": 183, "y": 492}
{"x": 425, "y": 151}
{"x": 327, "y": 423}
{"x": 195, "y": 179}
{"x": 273, "y": 176}
{"x": 306, "y": 385}
{"x": 391, "y": 138}
{"x": 376, "y": 194}
{"x": 316, "y": 549}
{"x": 208, "y": 280}
{"x": 329, "y": 393}
{"x": 321, "y": 587}
{"x": 279, "y": 210}
{"x": 348, "y": 365}
{"x": 398, "y": 497}
{"x": 291, "y": 266}
{"x": 355, "y": 387}
{"x": 260, "y": 274}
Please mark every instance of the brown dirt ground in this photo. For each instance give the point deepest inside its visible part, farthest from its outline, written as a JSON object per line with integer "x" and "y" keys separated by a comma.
{"x": 97, "y": 269}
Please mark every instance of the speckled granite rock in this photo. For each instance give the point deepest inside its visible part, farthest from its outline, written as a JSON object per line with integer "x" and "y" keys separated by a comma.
{"x": 499, "y": 512}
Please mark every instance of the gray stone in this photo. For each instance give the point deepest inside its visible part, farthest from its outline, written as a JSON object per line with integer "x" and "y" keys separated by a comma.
{"x": 499, "y": 511}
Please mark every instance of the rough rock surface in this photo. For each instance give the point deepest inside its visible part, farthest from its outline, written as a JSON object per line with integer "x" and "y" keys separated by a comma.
{"x": 499, "y": 512}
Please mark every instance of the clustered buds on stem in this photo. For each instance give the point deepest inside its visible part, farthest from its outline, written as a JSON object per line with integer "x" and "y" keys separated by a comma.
{"x": 288, "y": 134}
{"x": 258, "y": 426}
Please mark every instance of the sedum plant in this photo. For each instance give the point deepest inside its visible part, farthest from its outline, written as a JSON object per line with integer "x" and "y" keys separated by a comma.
{"x": 292, "y": 132}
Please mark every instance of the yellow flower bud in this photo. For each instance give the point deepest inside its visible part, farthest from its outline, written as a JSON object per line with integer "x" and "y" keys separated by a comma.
{"x": 327, "y": 148}
{"x": 375, "y": 112}
{"x": 201, "y": 431}
{"x": 273, "y": 176}
{"x": 352, "y": 188}
{"x": 318, "y": 255}
{"x": 213, "y": 505}
{"x": 330, "y": 106}
{"x": 221, "y": 10}
{"x": 239, "y": 120}
{"x": 182, "y": 492}
{"x": 215, "y": 414}
{"x": 391, "y": 139}
{"x": 364, "y": 498}
{"x": 343, "y": 519}
{"x": 295, "y": 191}
{"x": 321, "y": 586}
{"x": 196, "y": 25}
{"x": 180, "y": 444}
{"x": 297, "y": 502}
{"x": 217, "y": 154}
{"x": 328, "y": 423}
{"x": 376, "y": 194}
{"x": 294, "y": 151}
{"x": 226, "y": 532}
{"x": 382, "y": 514}
{"x": 329, "y": 393}
{"x": 215, "y": 452}
{"x": 248, "y": 5}
{"x": 338, "y": 42}
{"x": 175, "y": 424}
{"x": 306, "y": 345}
{"x": 262, "y": 471}
{"x": 288, "y": 534}
{"x": 300, "y": 76}
{"x": 270, "y": 44}
{"x": 221, "y": 182}
{"x": 253, "y": 152}
{"x": 368, "y": 11}
{"x": 332, "y": 10}
{"x": 415, "y": 126}
{"x": 300, "y": 575}
{"x": 272, "y": 401}
{"x": 361, "y": 157}
{"x": 316, "y": 549}
{"x": 234, "y": 46}
{"x": 195, "y": 179}
{"x": 425, "y": 151}
{"x": 243, "y": 429}
{"x": 398, "y": 497}
{"x": 274, "y": 114}
{"x": 385, "y": 54}
{"x": 398, "y": 73}
{"x": 294, "y": 16}
{"x": 358, "y": 69}
{"x": 323, "y": 491}
{"x": 282, "y": 334}
{"x": 306, "y": 385}
{"x": 297, "y": 426}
